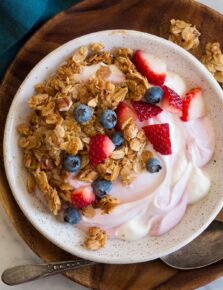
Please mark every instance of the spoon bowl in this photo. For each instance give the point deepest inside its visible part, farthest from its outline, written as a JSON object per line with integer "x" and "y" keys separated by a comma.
{"x": 201, "y": 252}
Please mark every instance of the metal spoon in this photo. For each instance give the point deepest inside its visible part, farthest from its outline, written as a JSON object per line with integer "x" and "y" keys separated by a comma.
{"x": 25, "y": 273}
{"x": 203, "y": 251}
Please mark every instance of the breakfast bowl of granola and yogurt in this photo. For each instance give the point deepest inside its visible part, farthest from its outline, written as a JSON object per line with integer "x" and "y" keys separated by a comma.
{"x": 113, "y": 146}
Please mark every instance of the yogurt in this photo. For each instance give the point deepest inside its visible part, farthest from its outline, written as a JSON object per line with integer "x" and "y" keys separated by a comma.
{"x": 154, "y": 203}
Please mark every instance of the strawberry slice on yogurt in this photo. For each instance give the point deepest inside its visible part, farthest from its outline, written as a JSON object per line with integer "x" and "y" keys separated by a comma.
{"x": 171, "y": 100}
{"x": 159, "y": 136}
{"x": 193, "y": 105}
{"x": 152, "y": 67}
{"x": 145, "y": 111}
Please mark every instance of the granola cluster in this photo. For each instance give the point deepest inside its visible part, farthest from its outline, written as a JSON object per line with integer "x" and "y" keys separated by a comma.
{"x": 52, "y": 132}
{"x": 184, "y": 34}
{"x": 187, "y": 36}
{"x": 96, "y": 238}
{"x": 213, "y": 60}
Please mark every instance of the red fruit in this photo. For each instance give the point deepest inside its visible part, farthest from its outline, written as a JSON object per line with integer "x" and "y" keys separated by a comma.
{"x": 171, "y": 100}
{"x": 82, "y": 197}
{"x": 100, "y": 148}
{"x": 153, "y": 68}
{"x": 124, "y": 112}
{"x": 145, "y": 111}
{"x": 159, "y": 136}
{"x": 193, "y": 105}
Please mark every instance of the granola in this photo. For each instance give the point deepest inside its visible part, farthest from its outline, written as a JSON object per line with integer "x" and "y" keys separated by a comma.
{"x": 184, "y": 34}
{"x": 96, "y": 238}
{"x": 213, "y": 60}
{"x": 54, "y": 137}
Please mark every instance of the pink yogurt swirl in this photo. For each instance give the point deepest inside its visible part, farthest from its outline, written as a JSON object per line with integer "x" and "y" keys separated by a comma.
{"x": 155, "y": 203}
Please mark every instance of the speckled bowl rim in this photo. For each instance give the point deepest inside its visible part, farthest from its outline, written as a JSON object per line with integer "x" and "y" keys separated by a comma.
{"x": 88, "y": 255}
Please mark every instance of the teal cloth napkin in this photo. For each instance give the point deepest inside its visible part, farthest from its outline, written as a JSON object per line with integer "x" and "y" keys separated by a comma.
{"x": 20, "y": 18}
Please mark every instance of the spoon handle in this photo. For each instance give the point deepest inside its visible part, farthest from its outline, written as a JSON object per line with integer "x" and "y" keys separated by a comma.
{"x": 25, "y": 273}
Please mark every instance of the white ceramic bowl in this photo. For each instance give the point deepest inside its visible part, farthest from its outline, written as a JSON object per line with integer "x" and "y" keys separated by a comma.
{"x": 198, "y": 216}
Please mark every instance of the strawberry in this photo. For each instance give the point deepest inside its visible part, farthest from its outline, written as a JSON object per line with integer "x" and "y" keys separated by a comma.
{"x": 145, "y": 111}
{"x": 153, "y": 68}
{"x": 124, "y": 112}
{"x": 100, "y": 148}
{"x": 193, "y": 105}
{"x": 82, "y": 197}
{"x": 171, "y": 100}
{"x": 159, "y": 136}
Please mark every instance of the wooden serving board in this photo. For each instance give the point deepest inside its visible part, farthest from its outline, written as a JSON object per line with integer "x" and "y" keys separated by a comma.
{"x": 90, "y": 16}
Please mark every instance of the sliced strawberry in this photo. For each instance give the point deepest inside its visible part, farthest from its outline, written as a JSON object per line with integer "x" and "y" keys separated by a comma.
{"x": 193, "y": 105}
{"x": 171, "y": 100}
{"x": 159, "y": 136}
{"x": 124, "y": 112}
{"x": 100, "y": 148}
{"x": 153, "y": 68}
{"x": 82, "y": 197}
{"x": 145, "y": 111}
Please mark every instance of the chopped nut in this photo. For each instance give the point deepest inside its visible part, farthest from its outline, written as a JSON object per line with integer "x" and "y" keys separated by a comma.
{"x": 130, "y": 130}
{"x": 63, "y": 104}
{"x": 39, "y": 88}
{"x": 88, "y": 211}
{"x": 31, "y": 183}
{"x": 124, "y": 51}
{"x": 93, "y": 102}
{"x": 65, "y": 196}
{"x": 96, "y": 238}
{"x": 184, "y": 34}
{"x": 135, "y": 144}
{"x": 146, "y": 154}
{"x": 80, "y": 55}
{"x": 96, "y": 46}
{"x": 107, "y": 204}
{"x": 23, "y": 129}
{"x": 87, "y": 174}
{"x": 108, "y": 169}
{"x": 103, "y": 72}
{"x": 117, "y": 154}
{"x": 66, "y": 187}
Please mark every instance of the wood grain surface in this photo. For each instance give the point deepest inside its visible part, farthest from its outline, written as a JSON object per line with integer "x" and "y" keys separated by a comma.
{"x": 90, "y": 16}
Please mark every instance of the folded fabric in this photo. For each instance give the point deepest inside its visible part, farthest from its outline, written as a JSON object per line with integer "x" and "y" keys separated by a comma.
{"x": 18, "y": 17}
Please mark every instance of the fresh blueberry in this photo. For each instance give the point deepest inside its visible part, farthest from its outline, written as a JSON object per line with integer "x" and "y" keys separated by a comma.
{"x": 72, "y": 163}
{"x": 71, "y": 215}
{"x": 108, "y": 119}
{"x": 101, "y": 187}
{"x": 153, "y": 165}
{"x": 82, "y": 113}
{"x": 154, "y": 95}
{"x": 117, "y": 138}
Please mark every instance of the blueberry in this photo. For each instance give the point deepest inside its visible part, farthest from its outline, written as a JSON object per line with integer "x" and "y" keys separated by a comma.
{"x": 108, "y": 119}
{"x": 154, "y": 95}
{"x": 153, "y": 165}
{"x": 117, "y": 138}
{"x": 71, "y": 215}
{"x": 82, "y": 113}
{"x": 72, "y": 163}
{"x": 101, "y": 187}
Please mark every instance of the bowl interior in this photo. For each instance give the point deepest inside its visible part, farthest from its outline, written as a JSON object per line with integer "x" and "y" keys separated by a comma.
{"x": 198, "y": 216}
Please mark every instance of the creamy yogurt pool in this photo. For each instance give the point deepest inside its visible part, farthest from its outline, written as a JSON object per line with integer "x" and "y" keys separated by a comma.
{"x": 154, "y": 203}
{"x": 118, "y": 145}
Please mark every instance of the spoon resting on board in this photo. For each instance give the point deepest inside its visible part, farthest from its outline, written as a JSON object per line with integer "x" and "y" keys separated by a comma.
{"x": 202, "y": 251}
